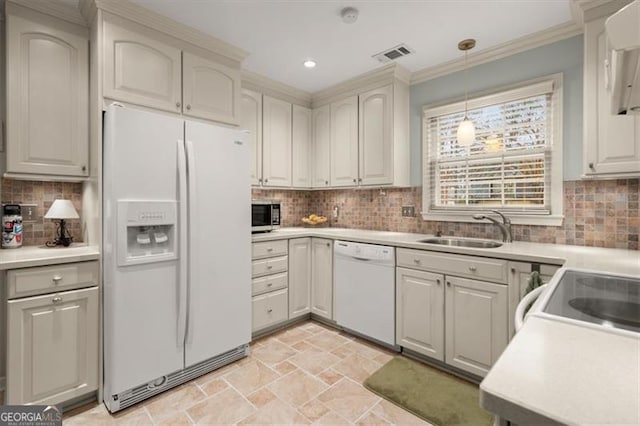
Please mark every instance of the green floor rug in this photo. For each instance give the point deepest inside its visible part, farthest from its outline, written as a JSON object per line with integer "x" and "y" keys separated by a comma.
{"x": 430, "y": 394}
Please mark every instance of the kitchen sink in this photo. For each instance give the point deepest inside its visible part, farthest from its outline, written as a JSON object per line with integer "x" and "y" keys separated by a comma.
{"x": 461, "y": 242}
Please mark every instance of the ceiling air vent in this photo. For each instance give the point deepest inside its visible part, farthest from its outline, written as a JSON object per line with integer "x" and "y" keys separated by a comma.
{"x": 394, "y": 53}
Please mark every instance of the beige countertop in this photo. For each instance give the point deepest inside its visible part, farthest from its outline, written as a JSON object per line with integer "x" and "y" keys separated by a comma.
{"x": 27, "y": 256}
{"x": 595, "y": 258}
{"x": 553, "y": 372}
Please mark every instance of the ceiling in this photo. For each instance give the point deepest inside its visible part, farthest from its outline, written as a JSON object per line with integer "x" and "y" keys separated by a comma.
{"x": 280, "y": 35}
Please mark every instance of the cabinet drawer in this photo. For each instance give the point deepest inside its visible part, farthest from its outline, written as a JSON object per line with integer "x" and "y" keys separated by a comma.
{"x": 272, "y": 265}
{"x": 269, "y": 283}
{"x": 49, "y": 279}
{"x": 270, "y": 309}
{"x": 454, "y": 264}
{"x": 269, "y": 249}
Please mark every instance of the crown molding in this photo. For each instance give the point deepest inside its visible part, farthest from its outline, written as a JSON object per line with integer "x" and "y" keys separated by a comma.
{"x": 267, "y": 86}
{"x": 88, "y": 10}
{"x": 133, "y": 12}
{"x": 54, "y": 8}
{"x": 551, "y": 35}
{"x": 386, "y": 74}
{"x": 588, "y": 10}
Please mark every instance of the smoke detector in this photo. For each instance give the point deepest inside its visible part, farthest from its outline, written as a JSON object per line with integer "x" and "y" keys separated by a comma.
{"x": 349, "y": 15}
{"x": 394, "y": 53}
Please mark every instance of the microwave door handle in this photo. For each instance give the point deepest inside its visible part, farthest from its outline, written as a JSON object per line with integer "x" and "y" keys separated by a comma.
{"x": 182, "y": 232}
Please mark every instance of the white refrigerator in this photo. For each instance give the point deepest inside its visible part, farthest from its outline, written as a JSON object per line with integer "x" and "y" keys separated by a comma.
{"x": 176, "y": 252}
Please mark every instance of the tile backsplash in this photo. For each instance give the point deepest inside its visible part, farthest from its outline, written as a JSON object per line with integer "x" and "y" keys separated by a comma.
{"x": 597, "y": 213}
{"x": 42, "y": 194}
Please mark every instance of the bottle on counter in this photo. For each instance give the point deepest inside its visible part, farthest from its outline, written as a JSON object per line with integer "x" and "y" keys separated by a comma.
{"x": 11, "y": 226}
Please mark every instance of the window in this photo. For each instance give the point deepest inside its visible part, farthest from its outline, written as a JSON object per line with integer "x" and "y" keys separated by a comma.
{"x": 514, "y": 165}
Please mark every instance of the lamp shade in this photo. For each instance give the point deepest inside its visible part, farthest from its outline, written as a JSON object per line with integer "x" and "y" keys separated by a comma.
{"x": 466, "y": 133}
{"x": 62, "y": 209}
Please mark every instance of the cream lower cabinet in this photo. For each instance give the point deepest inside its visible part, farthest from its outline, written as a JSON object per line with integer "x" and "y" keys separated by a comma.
{"x": 322, "y": 277}
{"x": 52, "y": 347}
{"x": 420, "y": 312}
{"x": 519, "y": 274}
{"x": 47, "y": 96}
{"x": 475, "y": 324}
{"x": 447, "y": 309}
{"x": 299, "y": 277}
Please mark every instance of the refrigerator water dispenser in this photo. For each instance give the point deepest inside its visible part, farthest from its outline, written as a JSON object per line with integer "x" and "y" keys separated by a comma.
{"x": 147, "y": 231}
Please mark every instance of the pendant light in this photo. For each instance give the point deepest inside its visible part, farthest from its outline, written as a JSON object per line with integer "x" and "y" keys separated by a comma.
{"x": 466, "y": 131}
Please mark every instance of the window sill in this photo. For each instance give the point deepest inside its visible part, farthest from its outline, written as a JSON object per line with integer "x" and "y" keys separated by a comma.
{"x": 516, "y": 219}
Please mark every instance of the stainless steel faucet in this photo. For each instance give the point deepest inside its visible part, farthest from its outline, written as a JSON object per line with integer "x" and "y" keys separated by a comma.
{"x": 505, "y": 226}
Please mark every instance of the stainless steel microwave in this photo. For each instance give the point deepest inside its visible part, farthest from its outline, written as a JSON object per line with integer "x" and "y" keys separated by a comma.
{"x": 265, "y": 215}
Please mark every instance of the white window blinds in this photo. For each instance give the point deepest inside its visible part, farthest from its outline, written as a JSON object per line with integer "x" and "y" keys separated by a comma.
{"x": 509, "y": 164}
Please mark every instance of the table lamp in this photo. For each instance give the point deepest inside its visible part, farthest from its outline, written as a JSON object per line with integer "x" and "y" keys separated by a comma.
{"x": 61, "y": 210}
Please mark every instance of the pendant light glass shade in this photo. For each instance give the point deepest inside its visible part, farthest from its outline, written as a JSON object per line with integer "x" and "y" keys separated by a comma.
{"x": 466, "y": 133}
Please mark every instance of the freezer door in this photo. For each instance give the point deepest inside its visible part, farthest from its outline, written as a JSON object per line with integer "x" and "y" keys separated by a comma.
{"x": 219, "y": 316}
{"x": 141, "y": 336}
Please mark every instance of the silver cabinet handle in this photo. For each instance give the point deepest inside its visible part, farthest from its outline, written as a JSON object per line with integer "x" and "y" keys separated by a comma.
{"x": 266, "y": 180}
{"x": 328, "y": 245}
{"x": 448, "y": 283}
{"x": 513, "y": 270}
{"x": 472, "y": 268}
{"x": 269, "y": 311}
{"x": 355, "y": 180}
{"x": 326, "y": 182}
{"x": 359, "y": 179}
{"x": 178, "y": 104}
{"x": 56, "y": 279}
{"x": 270, "y": 249}
{"x": 269, "y": 284}
{"x": 592, "y": 167}
{"x": 438, "y": 282}
{"x": 188, "y": 107}
{"x": 260, "y": 180}
{"x": 269, "y": 267}
{"x": 416, "y": 261}
{"x": 57, "y": 299}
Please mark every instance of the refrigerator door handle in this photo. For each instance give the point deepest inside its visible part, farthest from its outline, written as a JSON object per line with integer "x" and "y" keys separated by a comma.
{"x": 182, "y": 231}
{"x": 191, "y": 200}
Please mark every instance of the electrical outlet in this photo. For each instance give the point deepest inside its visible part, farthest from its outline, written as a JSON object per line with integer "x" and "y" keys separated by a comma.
{"x": 408, "y": 211}
{"x": 29, "y": 212}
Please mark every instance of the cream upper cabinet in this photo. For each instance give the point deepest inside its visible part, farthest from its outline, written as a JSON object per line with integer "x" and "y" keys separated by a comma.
{"x": 322, "y": 277}
{"x": 52, "y": 344}
{"x": 47, "y": 95}
{"x": 376, "y": 136}
{"x": 276, "y": 142}
{"x": 301, "y": 147}
{"x": 611, "y": 142}
{"x": 210, "y": 90}
{"x": 321, "y": 147}
{"x": 141, "y": 69}
{"x": 299, "y": 277}
{"x": 344, "y": 142}
{"x": 519, "y": 274}
{"x": 251, "y": 120}
{"x": 475, "y": 323}
{"x": 420, "y": 312}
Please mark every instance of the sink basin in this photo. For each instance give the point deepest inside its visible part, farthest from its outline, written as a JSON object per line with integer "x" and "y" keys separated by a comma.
{"x": 461, "y": 242}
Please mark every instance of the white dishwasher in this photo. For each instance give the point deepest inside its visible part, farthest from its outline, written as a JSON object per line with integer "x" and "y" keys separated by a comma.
{"x": 365, "y": 295}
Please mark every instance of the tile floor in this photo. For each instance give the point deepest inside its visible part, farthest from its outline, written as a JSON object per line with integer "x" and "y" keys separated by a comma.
{"x": 307, "y": 374}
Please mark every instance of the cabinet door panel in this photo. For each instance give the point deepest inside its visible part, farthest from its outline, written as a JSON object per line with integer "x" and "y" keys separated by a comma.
{"x": 299, "y": 277}
{"x": 322, "y": 277}
{"x": 376, "y": 136}
{"x": 321, "y": 147}
{"x": 251, "y": 120}
{"x": 612, "y": 142}
{"x": 47, "y": 96}
{"x": 276, "y": 142}
{"x": 301, "y": 149}
{"x": 52, "y": 347}
{"x": 344, "y": 142}
{"x": 210, "y": 90}
{"x": 141, "y": 69}
{"x": 420, "y": 312}
{"x": 476, "y": 324}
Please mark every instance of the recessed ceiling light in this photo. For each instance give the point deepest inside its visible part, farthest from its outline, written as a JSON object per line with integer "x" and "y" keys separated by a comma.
{"x": 309, "y": 63}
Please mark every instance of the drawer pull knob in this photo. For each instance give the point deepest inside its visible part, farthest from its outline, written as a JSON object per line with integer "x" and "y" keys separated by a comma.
{"x": 270, "y": 267}
{"x": 269, "y": 284}
{"x": 270, "y": 249}
{"x": 57, "y": 299}
{"x": 57, "y": 278}
{"x": 416, "y": 261}
{"x": 472, "y": 268}
{"x": 438, "y": 282}
{"x": 448, "y": 283}
{"x": 513, "y": 270}
{"x": 269, "y": 311}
